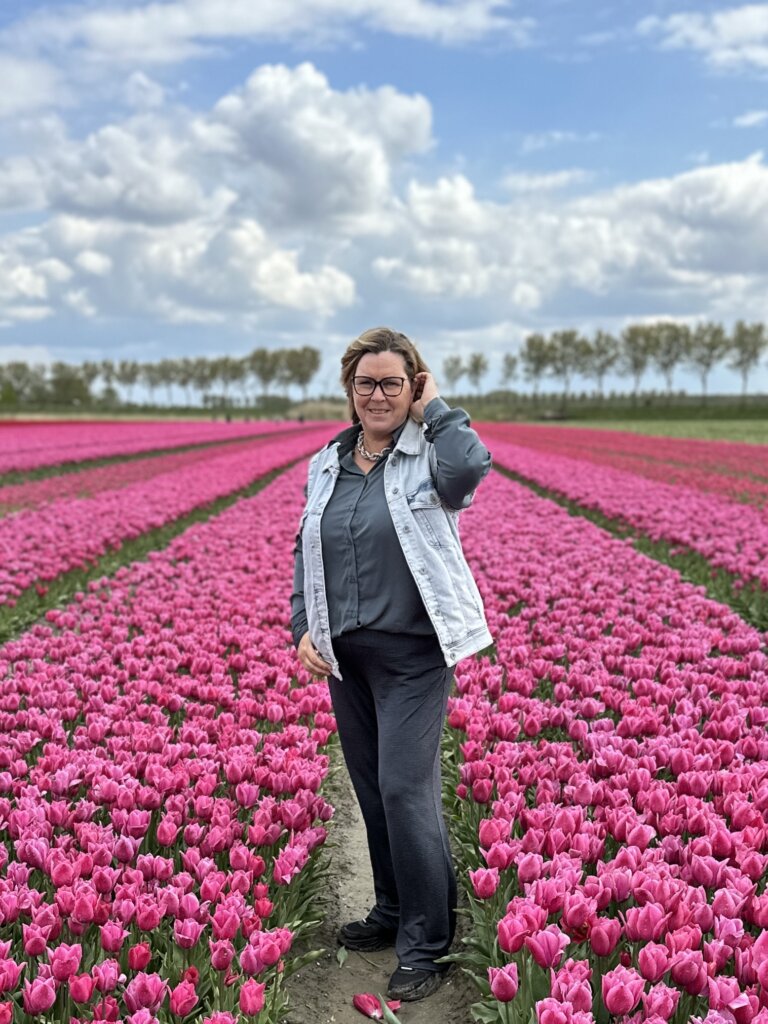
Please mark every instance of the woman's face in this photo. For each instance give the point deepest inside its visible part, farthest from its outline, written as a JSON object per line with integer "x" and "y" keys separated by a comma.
{"x": 379, "y": 414}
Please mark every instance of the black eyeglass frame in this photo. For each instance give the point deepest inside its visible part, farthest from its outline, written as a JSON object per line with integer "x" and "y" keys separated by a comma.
{"x": 378, "y": 384}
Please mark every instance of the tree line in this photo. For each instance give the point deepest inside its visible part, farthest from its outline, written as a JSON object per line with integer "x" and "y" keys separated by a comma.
{"x": 211, "y": 382}
{"x": 664, "y": 346}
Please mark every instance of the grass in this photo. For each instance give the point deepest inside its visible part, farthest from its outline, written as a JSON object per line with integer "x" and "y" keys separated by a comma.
{"x": 748, "y": 431}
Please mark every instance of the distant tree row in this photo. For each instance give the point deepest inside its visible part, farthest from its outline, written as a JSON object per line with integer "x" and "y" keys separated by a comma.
{"x": 664, "y": 346}
{"x": 208, "y": 381}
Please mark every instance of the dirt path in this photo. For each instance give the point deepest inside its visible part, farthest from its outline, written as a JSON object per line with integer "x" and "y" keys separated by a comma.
{"x": 322, "y": 992}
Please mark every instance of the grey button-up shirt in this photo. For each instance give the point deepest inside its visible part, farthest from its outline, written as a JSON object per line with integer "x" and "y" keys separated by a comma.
{"x": 367, "y": 579}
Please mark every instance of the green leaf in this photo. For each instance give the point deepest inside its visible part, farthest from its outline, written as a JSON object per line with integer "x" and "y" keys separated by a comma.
{"x": 388, "y": 1016}
{"x": 484, "y": 1013}
{"x": 341, "y": 955}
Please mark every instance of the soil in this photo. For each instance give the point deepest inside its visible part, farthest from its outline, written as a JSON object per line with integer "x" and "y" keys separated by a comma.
{"x": 321, "y": 993}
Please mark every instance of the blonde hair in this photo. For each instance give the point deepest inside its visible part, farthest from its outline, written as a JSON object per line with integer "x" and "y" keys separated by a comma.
{"x": 373, "y": 341}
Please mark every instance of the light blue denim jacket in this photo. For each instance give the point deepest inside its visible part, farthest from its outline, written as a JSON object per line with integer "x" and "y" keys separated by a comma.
{"x": 427, "y": 529}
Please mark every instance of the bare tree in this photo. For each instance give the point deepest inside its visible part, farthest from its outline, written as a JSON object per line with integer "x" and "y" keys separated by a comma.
{"x": 535, "y": 356}
{"x": 453, "y": 371}
{"x": 672, "y": 344}
{"x": 603, "y": 356}
{"x": 567, "y": 356}
{"x": 748, "y": 344}
{"x": 127, "y": 375}
{"x": 477, "y": 367}
{"x": 638, "y": 342}
{"x": 508, "y": 368}
{"x": 709, "y": 345}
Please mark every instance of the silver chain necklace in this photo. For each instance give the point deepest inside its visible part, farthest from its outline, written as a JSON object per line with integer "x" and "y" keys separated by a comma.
{"x": 370, "y": 456}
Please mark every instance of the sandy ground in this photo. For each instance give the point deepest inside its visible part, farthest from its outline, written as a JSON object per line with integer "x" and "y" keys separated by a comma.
{"x": 322, "y": 992}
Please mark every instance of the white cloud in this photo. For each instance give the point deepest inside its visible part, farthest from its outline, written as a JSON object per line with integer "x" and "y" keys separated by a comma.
{"x": 732, "y": 38}
{"x": 553, "y": 181}
{"x": 28, "y": 84}
{"x": 696, "y": 238}
{"x": 92, "y": 262}
{"x": 308, "y": 153}
{"x": 157, "y": 33}
{"x": 21, "y": 185}
{"x": 142, "y": 92}
{"x": 752, "y": 119}
{"x": 546, "y": 140}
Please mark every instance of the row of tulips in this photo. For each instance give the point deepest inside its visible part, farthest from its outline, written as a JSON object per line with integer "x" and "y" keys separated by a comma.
{"x": 40, "y": 544}
{"x": 611, "y": 813}
{"x": 87, "y": 482}
{"x": 735, "y": 471}
{"x": 160, "y": 773}
{"x": 28, "y": 446}
{"x": 731, "y": 537}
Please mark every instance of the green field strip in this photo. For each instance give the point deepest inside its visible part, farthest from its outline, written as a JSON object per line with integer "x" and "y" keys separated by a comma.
{"x": 32, "y": 604}
{"x": 73, "y": 466}
{"x": 748, "y": 600}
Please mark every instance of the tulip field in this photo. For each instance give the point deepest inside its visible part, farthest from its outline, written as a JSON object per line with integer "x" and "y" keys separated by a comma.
{"x": 163, "y": 764}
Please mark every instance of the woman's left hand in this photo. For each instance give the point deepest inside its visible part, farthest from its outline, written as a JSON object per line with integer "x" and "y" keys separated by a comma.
{"x": 424, "y": 386}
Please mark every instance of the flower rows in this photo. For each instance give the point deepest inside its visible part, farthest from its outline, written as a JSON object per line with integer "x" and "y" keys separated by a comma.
{"x": 115, "y": 475}
{"x": 731, "y": 469}
{"x": 612, "y": 806}
{"x": 159, "y": 785}
{"x": 28, "y": 446}
{"x": 40, "y": 544}
{"x": 731, "y": 537}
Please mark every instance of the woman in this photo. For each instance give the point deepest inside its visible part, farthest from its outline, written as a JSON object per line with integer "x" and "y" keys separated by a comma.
{"x": 384, "y": 604}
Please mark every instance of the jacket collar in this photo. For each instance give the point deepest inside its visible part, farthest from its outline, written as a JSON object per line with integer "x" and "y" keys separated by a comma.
{"x": 410, "y": 441}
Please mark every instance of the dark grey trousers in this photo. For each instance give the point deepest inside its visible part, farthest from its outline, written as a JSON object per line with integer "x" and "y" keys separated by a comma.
{"x": 390, "y": 708}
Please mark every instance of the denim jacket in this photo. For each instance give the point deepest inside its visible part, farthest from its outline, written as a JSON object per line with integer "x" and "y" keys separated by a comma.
{"x": 427, "y": 529}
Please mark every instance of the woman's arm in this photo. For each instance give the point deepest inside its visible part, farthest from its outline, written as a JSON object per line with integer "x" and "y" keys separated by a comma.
{"x": 462, "y": 458}
{"x": 299, "y": 624}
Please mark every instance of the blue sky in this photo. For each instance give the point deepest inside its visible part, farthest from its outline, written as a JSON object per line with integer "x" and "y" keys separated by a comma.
{"x": 197, "y": 178}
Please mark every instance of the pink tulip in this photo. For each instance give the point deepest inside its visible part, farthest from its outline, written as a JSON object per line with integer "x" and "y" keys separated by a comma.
{"x": 81, "y": 987}
{"x": 654, "y": 961}
{"x": 139, "y": 956}
{"x": 251, "y": 999}
{"x": 485, "y": 882}
{"x": 65, "y": 961}
{"x": 370, "y": 1005}
{"x": 39, "y": 995}
{"x": 547, "y": 946}
{"x": 183, "y": 999}
{"x": 145, "y": 990}
{"x": 621, "y": 990}
{"x": 604, "y": 935}
{"x": 10, "y": 973}
{"x": 106, "y": 975}
{"x": 222, "y": 954}
{"x": 504, "y": 982}
{"x": 512, "y": 932}
{"x": 661, "y": 1001}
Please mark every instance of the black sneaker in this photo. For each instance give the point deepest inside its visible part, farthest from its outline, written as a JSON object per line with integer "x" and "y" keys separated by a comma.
{"x": 366, "y": 936}
{"x": 410, "y": 984}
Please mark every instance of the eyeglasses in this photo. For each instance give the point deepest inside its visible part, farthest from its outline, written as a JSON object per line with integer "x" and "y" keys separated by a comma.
{"x": 390, "y": 386}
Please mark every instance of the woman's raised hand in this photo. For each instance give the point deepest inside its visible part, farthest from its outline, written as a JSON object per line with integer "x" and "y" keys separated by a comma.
{"x": 311, "y": 659}
{"x": 424, "y": 386}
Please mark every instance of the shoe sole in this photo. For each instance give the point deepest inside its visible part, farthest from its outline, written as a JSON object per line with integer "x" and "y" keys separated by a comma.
{"x": 426, "y": 988}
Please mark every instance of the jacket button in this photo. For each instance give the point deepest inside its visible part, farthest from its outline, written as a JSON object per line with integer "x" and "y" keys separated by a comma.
{"x": 434, "y": 499}
{"x": 395, "y": 490}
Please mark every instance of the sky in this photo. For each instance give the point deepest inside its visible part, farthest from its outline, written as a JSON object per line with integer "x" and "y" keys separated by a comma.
{"x": 202, "y": 177}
